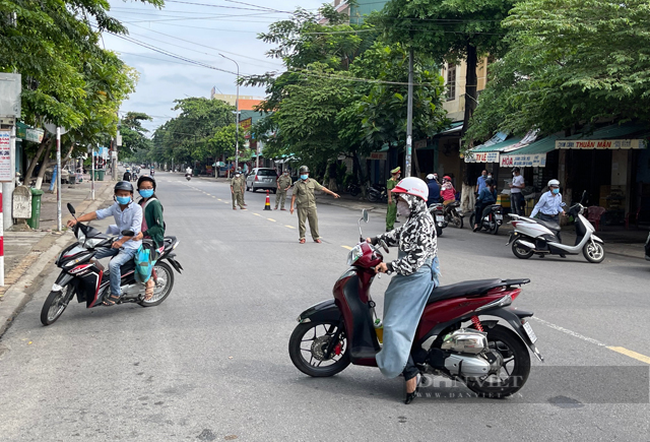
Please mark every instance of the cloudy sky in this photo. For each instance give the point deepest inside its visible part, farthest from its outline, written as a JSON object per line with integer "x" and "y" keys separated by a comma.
{"x": 197, "y": 30}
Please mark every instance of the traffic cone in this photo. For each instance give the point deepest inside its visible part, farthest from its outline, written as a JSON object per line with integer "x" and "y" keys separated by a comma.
{"x": 267, "y": 204}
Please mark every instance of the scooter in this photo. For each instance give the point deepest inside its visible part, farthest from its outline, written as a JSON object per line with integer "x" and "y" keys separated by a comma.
{"x": 353, "y": 189}
{"x": 377, "y": 193}
{"x": 454, "y": 338}
{"x": 84, "y": 276}
{"x": 188, "y": 176}
{"x": 492, "y": 219}
{"x": 536, "y": 237}
{"x": 453, "y": 214}
{"x": 437, "y": 211}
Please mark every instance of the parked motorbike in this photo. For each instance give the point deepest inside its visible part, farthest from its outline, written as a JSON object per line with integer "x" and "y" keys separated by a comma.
{"x": 437, "y": 211}
{"x": 377, "y": 193}
{"x": 492, "y": 219}
{"x": 84, "y": 276}
{"x": 536, "y": 237}
{"x": 647, "y": 248}
{"x": 454, "y": 339}
{"x": 353, "y": 189}
{"x": 188, "y": 176}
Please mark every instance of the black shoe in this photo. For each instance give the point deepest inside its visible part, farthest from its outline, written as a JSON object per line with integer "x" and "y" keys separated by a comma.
{"x": 562, "y": 255}
{"x": 410, "y": 396}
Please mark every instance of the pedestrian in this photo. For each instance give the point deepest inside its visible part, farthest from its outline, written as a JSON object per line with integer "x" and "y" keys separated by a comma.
{"x": 416, "y": 274}
{"x": 467, "y": 195}
{"x": 128, "y": 217}
{"x": 237, "y": 187}
{"x": 283, "y": 184}
{"x": 447, "y": 191}
{"x": 480, "y": 182}
{"x": 391, "y": 211}
{"x": 434, "y": 190}
{"x": 549, "y": 207}
{"x": 516, "y": 197}
{"x": 303, "y": 193}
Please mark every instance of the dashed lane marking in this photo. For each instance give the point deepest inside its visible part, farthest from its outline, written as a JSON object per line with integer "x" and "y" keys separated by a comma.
{"x": 289, "y": 227}
{"x": 256, "y": 214}
{"x": 631, "y": 354}
{"x": 347, "y": 247}
{"x": 271, "y": 219}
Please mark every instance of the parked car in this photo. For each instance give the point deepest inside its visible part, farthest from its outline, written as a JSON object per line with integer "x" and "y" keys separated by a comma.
{"x": 65, "y": 176}
{"x": 262, "y": 178}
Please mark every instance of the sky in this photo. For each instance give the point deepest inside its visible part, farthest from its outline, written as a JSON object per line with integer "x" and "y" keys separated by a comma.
{"x": 198, "y": 30}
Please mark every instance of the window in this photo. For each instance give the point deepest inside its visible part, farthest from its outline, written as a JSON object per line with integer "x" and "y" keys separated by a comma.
{"x": 266, "y": 172}
{"x": 451, "y": 83}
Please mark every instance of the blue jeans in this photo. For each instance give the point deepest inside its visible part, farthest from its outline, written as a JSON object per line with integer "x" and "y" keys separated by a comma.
{"x": 121, "y": 257}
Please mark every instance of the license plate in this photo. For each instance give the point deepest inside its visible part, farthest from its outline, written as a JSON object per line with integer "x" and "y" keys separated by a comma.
{"x": 530, "y": 332}
{"x": 440, "y": 218}
{"x": 499, "y": 217}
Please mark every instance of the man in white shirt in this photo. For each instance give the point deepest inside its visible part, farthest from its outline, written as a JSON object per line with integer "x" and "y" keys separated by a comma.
{"x": 516, "y": 197}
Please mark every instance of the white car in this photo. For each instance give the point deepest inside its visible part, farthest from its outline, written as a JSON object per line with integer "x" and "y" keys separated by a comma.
{"x": 262, "y": 178}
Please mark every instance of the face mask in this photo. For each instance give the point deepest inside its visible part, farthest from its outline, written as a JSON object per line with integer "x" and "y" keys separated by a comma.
{"x": 555, "y": 191}
{"x": 304, "y": 177}
{"x": 236, "y": 175}
{"x": 489, "y": 176}
{"x": 403, "y": 209}
{"x": 123, "y": 200}
{"x": 146, "y": 193}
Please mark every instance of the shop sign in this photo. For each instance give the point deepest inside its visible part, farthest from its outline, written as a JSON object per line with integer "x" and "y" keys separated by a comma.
{"x": 379, "y": 156}
{"x": 533, "y": 160}
{"x": 482, "y": 157}
{"x": 35, "y": 135}
{"x": 6, "y": 168}
{"x": 600, "y": 144}
{"x": 246, "y": 125}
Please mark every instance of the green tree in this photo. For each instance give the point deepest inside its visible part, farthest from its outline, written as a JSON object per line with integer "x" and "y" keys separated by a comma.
{"x": 570, "y": 63}
{"x": 133, "y": 134}
{"x": 223, "y": 141}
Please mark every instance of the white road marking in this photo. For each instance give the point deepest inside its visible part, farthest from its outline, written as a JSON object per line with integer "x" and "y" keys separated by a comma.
{"x": 568, "y": 332}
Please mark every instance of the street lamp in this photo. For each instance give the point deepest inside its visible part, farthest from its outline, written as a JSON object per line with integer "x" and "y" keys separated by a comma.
{"x": 236, "y": 113}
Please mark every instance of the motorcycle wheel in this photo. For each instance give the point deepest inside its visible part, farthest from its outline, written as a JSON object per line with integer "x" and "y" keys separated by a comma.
{"x": 306, "y": 346}
{"x": 520, "y": 251}
{"x": 354, "y": 192}
{"x": 55, "y": 305}
{"x": 456, "y": 220}
{"x": 494, "y": 228}
{"x": 594, "y": 253}
{"x": 164, "y": 285}
{"x": 471, "y": 223}
{"x": 513, "y": 372}
{"x": 438, "y": 230}
{"x": 372, "y": 198}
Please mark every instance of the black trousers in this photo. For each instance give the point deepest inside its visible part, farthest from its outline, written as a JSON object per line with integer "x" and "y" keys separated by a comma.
{"x": 410, "y": 370}
{"x": 551, "y": 219}
{"x": 517, "y": 203}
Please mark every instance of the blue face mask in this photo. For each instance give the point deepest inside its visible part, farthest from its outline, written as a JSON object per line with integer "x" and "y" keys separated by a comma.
{"x": 304, "y": 177}
{"x": 146, "y": 193}
{"x": 555, "y": 191}
{"x": 123, "y": 200}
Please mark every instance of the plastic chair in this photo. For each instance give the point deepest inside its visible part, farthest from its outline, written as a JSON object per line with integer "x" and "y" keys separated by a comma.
{"x": 594, "y": 213}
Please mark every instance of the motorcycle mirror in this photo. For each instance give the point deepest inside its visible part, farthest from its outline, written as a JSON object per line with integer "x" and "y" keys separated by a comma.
{"x": 71, "y": 209}
{"x": 365, "y": 216}
{"x": 128, "y": 233}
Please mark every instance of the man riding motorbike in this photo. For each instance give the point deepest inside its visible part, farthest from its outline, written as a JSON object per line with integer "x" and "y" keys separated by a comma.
{"x": 434, "y": 190}
{"x": 486, "y": 197}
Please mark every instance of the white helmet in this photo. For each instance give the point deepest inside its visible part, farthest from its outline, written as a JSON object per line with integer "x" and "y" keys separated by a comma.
{"x": 412, "y": 186}
{"x": 431, "y": 177}
{"x": 554, "y": 182}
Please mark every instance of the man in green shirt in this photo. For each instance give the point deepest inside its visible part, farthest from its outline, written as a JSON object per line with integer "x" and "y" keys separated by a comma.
{"x": 391, "y": 212}
{"x": 303, "y": 193}
{"x": 283, "y": 182}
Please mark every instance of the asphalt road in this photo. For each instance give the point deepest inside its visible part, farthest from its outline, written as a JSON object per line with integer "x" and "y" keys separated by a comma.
{"x": 211, "y": 363}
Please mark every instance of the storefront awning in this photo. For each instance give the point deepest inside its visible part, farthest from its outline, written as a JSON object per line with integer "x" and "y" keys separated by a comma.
{"x": 532, "y": 155}
{"x": 489, "y": 153}
{"x": 624, "y": 136}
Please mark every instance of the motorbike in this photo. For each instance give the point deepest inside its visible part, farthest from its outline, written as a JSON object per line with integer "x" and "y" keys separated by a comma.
{"x": 455, "y": 338}
{"x": 437, "y": 211}
{"x": 536, "y": 237}
{"x": 85, "y": 277}
{"x": 453, "y": 214}
{"x": 647, "y": 248}
{"x": 492, "y": 219}
{"x": 377, "y": 193}
{"x": 188, "y": 176}
{"x": 353, "y": 189}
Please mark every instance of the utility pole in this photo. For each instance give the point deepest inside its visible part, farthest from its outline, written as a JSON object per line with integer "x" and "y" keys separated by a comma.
{"x": 236, "y": 114}
{"x": 409, "y": 119}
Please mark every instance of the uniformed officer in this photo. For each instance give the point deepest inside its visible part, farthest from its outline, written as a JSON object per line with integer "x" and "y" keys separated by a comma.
{"x": 284, "y": 183}
{"x": 391, "y": 212}
{"x": 303, "y": 191}
{"x": 237, "y": 186}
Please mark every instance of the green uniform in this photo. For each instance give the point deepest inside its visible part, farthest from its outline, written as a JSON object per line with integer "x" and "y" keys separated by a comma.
{"x": 306, "y": 206}
{"x": 238, "y": 186}
{"x": 281, "y": 194}
{"x": 391, "y": 212}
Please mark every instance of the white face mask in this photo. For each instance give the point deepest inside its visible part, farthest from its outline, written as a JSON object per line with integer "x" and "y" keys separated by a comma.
{"x": 403, "y": 209}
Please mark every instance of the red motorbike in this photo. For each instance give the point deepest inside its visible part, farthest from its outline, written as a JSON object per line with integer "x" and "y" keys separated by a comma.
{"x": 459, "y": 335}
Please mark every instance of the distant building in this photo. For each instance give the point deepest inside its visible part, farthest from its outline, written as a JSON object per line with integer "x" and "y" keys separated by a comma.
{"x": 246, "y": 102}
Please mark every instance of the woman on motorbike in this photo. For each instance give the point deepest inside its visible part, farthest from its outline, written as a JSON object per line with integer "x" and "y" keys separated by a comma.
{"x": 153, "y": 225}
{"x": 417, "y": 271}
{"x": 487, "y": 196}
{"x": 447, "y": 190}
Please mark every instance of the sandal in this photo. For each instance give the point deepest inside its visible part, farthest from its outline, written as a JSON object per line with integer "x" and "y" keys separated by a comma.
{"x": 148, "y": 291}
{"x": 302, "y": 241}
{"x": 111, "y": 300}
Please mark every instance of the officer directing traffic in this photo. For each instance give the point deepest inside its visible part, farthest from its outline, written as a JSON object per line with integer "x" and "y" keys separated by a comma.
{"x": 237, "y": 185}
{"x": 303, "y": 192}
{"x": 283, "y": 183}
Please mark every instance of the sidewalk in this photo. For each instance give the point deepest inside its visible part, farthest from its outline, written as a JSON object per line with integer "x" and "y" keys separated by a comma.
{"x": 28, "y": 251}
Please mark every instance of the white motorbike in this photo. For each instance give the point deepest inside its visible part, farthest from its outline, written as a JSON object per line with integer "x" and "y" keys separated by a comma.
{"x": 536, "y": 237}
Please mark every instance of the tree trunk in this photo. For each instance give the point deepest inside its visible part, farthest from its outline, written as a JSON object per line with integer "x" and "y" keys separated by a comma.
{"x": 39, "y": 153}
{"x": 471, "y": 81}
{"x": 44, "y": 165}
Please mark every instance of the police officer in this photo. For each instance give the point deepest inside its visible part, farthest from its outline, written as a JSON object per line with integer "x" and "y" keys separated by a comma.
{"x": 391, "y": 212}
{"x": 237, "y": 186}
{"x": 283, "y": 184}
{"x": 303, "y": 191}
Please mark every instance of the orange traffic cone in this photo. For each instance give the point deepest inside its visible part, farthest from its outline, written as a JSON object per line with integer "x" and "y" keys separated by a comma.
{"x": 267, "y": 204}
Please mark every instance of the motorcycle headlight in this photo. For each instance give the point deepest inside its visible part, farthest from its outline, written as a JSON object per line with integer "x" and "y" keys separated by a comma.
{"x": 354, "y": 255}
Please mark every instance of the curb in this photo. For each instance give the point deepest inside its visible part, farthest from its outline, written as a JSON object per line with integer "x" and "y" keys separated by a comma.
{"x": 21, "y": 291}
